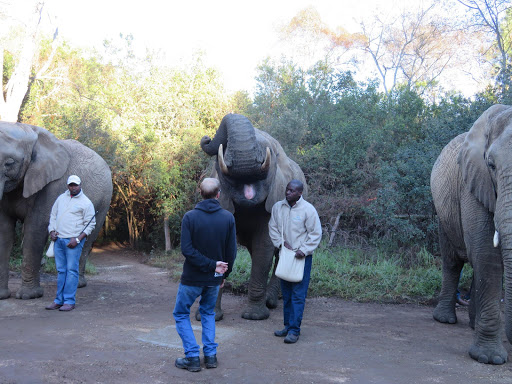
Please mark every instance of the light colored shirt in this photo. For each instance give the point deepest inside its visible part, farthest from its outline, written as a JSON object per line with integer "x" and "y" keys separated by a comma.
{"x": 70, "y": 215}
{"x": 300, "y": 225}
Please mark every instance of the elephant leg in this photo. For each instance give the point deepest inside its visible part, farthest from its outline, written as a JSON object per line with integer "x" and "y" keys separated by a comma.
{"x": 452, "y": 265}
{"x": 487, "y": 265}
{"x": 34, "y": 238}
{"x": 219, "y": 313}
{"x": 7, "y": 226}
{"x": 472, "y": 306}
{"x": 273, "y": 287}
{"x": 487, "y": 344}
{"x": 261, "y": 255}
{"x": 82, "y": 281}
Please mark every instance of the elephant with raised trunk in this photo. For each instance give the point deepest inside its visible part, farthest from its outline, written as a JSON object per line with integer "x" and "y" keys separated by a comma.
{"x": 34, "y": 169}
{"x": 253, "y": 171}
{"x": 471, "y": 186}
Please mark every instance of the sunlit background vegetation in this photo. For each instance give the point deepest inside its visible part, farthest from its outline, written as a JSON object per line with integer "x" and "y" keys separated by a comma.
{"x": 365, "y": 121}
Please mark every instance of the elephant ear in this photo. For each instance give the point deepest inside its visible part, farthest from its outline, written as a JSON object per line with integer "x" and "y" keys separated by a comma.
{"x": 475, "y": 173}
{"x": 49, "y": 162}
{"x": 277, "y": 188}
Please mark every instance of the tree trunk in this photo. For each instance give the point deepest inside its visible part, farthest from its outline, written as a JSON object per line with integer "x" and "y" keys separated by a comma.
{"x": 167, "y": 233}
{"x": 334, "y": 229}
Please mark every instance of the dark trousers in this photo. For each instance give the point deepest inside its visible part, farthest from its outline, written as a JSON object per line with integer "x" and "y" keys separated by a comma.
{"x": 294, "y": 299}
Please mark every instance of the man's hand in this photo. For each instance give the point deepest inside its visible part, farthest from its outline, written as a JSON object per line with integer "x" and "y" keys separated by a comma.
{"x": 54, "y": 235}
{"x": 72, "y": 243}
{"x": 299, "y": 254}
{"x": 221, "y": 267}
{"x": 287, "y": 245}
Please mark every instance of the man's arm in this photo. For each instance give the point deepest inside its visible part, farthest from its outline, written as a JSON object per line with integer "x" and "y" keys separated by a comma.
{"x": 314, "y": 233}
{"x": 192, "y": 255}
{"x": 89, "y": 217}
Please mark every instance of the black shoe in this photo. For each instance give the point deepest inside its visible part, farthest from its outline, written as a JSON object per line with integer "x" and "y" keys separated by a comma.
{"x": 281, "y": 333}
{"x": 210, "y": 361}
{"x": 291, "y": 338}
{"x": 192, "y": 364}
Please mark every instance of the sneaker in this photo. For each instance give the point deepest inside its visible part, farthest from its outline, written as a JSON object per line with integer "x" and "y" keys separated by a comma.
{"x": 191, "y": 364}
{"x": 281, "y": 333}
{"x": 67, "y": 307}
{"x": 463, "y": 302}
{"x": 291, "y": 338}
{"x": 53, "y": 306}
{"x": 210, "y": 361}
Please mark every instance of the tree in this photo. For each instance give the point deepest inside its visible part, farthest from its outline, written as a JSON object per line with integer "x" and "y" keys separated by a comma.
{"x": 494, "y": 17}
{"x": 312, "y": 40}
{"x": 414, "y": 47}
{"x": 20, "y": 70}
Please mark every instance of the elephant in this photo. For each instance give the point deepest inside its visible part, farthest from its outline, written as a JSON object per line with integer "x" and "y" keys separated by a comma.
{"x": 253, "y": 171}
{"x": 35, "y": 167}
{"x": 471, "y": 185}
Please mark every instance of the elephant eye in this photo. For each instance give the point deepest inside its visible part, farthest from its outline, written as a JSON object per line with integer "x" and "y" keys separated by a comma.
{"x": 491, "y": 166}
{"x": 9, "y": 162}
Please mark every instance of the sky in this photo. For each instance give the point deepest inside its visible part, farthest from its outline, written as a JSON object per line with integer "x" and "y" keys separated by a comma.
{"x": 234, "y": 35}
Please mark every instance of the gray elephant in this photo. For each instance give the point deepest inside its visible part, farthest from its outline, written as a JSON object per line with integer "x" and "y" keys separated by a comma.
{"x": 471, "y": 186}
{"x": 35, "y": 166}
{"x": 253, "y": 171}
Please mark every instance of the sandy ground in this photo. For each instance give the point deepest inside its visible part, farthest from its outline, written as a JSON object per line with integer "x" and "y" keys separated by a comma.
{"x": 122, "y": 331}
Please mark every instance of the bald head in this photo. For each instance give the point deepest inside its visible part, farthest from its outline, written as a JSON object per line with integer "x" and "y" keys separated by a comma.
{"x": 296, "y": 184}
{"x": 209, "y": 187}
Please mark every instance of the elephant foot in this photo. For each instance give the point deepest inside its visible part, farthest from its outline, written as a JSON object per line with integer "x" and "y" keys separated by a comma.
{"x": 219, "y": 315}
{"x": 26, "y": 293}
{"x": 82, "y": 281}
{"x": 493, "y": 354}
{"x": 271, "y": 301}
{"x": 4, "y": 293}
{"x": 256, "y": 312}
{"x": 443, "y": 314}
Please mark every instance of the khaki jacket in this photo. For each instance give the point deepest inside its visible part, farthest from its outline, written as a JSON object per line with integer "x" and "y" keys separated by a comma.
{"x": 302, "y": 228}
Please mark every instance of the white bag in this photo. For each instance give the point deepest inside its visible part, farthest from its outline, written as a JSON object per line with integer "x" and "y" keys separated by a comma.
{"x": 290, "y": 268}
{"x": 49, "y": 252}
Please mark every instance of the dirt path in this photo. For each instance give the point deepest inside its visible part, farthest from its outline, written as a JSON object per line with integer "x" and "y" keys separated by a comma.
{"x": 122, "y": 332}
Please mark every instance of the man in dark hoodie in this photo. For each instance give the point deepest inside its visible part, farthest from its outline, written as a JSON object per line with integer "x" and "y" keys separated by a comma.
{"x": 208, "y": 242}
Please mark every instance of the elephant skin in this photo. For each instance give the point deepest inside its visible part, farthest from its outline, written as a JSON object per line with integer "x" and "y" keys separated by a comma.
{"x": 253, "y": 171}
{"x": 471, "y": 185}
{"x": 35, "y": 167}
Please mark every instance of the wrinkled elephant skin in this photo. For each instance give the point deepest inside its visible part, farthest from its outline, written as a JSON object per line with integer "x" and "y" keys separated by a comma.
{"x": 253, "y": 171}
{"x": 35, "y": 167}
{"x": 471, "y": 186}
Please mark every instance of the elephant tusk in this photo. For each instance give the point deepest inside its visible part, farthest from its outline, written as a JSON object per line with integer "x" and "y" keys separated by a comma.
{"x": 266, "y": 164}
{"x": 496, "y": 239}
{"x": 222, "y": 164}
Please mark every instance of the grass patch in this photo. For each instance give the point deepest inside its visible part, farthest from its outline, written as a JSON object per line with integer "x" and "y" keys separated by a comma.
{"x": 364, "y": 275}
{"x": 171, "y": 260}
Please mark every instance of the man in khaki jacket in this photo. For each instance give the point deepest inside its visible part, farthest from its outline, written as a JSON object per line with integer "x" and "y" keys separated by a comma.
{"x": 302, "y": 232}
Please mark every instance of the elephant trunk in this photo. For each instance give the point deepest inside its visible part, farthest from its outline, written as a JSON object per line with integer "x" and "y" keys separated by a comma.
{"x": 506, "y": 244}
{"x": 211, "y": 146}
{"x": 503, "y": 221}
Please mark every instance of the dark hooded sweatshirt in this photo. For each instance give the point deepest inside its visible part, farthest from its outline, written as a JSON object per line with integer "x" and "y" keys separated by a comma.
{"x": 208, "y": 235}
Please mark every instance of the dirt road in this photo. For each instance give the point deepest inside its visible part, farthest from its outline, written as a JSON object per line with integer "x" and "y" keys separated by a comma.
{"x": 122, "y": 331}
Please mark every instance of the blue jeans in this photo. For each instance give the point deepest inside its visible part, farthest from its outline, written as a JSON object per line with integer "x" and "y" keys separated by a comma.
{"x": 67, "y": 261}
{"x": 186, "y": 296}
{"x": 294, "y": 299}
